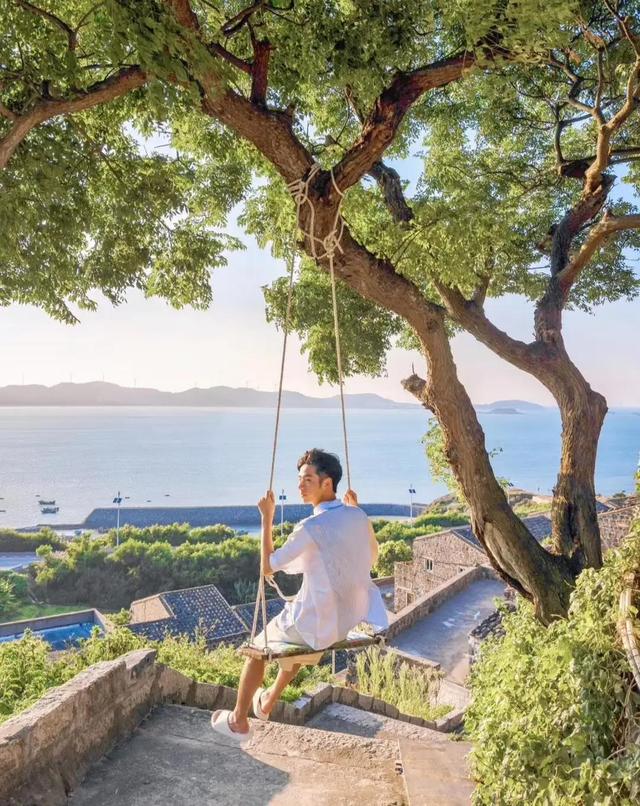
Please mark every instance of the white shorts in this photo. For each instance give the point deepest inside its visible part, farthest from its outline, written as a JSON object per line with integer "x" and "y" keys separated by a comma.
{"x": 276, "y": 634}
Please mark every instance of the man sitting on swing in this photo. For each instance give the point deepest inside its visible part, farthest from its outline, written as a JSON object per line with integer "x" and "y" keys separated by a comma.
{"x": 334, "y": 549}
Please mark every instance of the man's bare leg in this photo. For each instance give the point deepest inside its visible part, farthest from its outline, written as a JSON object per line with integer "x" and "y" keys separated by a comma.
{"x": 272, "y": 695}
{"x": 250, "y": 680}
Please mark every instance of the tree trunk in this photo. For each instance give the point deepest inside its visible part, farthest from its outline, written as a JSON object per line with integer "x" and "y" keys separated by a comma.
{"x": 575, "y": 531}
{"x": 516, "y": 555}
{"x": 576, "y": 534}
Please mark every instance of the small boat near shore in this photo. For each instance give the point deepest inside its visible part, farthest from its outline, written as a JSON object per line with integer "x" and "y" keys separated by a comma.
{"x": 44, "y": 503}
{"x": 49, "y": 510}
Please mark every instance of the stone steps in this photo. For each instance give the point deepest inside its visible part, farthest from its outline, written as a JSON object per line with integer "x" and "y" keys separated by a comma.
{"x": 174, "y": 757}
{"x": 345, "y": 719}
{"x": 436, "y": 775}
{"x": 435, "y": 767}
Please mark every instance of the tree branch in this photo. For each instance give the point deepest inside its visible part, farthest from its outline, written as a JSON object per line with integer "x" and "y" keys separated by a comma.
{"x": 124, "y": 81}
{"x": 217, "y": 50}
{"x": 390, "y": 184}
{"x": 387, "y": 179}
{"x": 606, "y": 131}
{"x": 606, "y": 227}
{"x": 259, "y": 69}
{"x": 47, "y": 15}
{"x": 418, "y": 387}
{"x": 471, "y": 316}
{"x": 388, "y": 113}
{"x": 7, "y": 113}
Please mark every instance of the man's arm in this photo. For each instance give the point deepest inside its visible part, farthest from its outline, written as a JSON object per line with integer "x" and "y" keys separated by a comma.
{"x": 351, "y": 500}
{"x": 267, "y": 507}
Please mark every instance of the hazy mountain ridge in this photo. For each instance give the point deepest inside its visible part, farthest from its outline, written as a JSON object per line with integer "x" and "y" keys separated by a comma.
{"x": 100, "y": 393}
{"x": 518, "y": 405}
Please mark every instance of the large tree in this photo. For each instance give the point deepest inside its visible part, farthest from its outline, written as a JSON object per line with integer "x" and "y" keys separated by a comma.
{"x": 522, "y": 112}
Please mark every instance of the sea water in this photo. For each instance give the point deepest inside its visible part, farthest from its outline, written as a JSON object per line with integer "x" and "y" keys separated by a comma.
{"x": 82, "y": 457}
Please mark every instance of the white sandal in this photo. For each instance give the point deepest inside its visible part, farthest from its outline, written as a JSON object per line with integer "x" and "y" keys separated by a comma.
{"x": 220, "y": 723}
{"x": 257, "y": 706}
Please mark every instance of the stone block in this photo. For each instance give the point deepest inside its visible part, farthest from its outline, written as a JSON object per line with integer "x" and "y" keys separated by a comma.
{"x": 450, "y": 722}
{"x": 303, "y": 708}
{"x": 391, "y": 711}
{"x": 139, "y": 661}
{"x": 378, "y": 706}
{"x": 335, "y": 694}
{"x": 365, "y": 701}
{"x": 173, "y": 686}
{"x": 277, "y": 713}
{"x": 347, "y": 696}
{"x": 416, "y": 720}
{"x": 206, "y": 695}
{"x": 321, "y": 695}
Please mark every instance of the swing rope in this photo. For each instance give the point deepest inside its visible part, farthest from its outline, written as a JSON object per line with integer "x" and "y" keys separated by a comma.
{"x": 299, "y": 189}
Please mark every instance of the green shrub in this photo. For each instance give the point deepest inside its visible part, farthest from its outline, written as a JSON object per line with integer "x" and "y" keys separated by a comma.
{"x": 246, "y": 590}
{"x": 175, "y": 534}
{"x": 94, "y": 573}
{"x": 10, "y": 540}
{"x": 426, "y": 524}
{"x": 440, "y": 520}
{"x": 19, "y": 583}
{"x": 27, "y": 668}
{"x": 211, "y": 534}
{"x": 412, "y": 690}
{"x": 395, "y": 551}
{"x": 8, "y": 599}
{"x": 551, "y": 710}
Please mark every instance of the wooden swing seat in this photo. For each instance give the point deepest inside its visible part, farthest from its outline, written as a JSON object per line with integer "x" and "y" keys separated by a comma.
{"x": 280, "y": 649}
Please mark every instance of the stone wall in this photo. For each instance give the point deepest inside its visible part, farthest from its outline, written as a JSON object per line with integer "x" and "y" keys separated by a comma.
{"x": 245, "y": 515}
{"x": 615, "y": 525}
{"x": 436, "y": 558}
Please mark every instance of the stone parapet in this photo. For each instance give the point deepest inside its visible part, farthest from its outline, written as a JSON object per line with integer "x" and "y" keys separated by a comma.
{"x": 103, "y": 518}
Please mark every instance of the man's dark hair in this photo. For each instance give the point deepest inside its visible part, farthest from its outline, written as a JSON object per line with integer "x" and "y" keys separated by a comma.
{"x": 326, "y": 464}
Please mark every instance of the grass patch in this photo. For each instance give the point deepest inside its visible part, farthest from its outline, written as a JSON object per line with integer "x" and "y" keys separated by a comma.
{"x": 32, "y": 610}
{"x": 413, "y": 691}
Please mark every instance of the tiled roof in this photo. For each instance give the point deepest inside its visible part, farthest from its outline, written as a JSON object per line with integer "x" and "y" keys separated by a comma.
{"x": 538, "y": 525}
{"x": 246, "y": 611}
{"x": 602, "y": 507}
{"x": 203, "y": 608}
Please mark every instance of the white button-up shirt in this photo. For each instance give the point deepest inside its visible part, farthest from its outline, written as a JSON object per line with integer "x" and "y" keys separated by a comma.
{"x": 335, "y": 549}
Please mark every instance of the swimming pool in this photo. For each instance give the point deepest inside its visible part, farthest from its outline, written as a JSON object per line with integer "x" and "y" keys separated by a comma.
{"x": 59, "y": 637}
{"x": 61, "y": 631}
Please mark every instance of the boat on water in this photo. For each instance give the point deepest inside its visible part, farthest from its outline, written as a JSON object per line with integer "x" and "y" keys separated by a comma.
{"x": 49, "y": 510}
{"x": 44, "y": 503}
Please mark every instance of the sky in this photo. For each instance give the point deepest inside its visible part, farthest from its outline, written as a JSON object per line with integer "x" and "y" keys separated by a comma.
{"x": 145, "y": 342}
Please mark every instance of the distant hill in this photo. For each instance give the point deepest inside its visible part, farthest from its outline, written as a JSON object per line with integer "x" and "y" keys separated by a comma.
{"x": 99, "y": 393}
{"x": 517, "y": 405}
